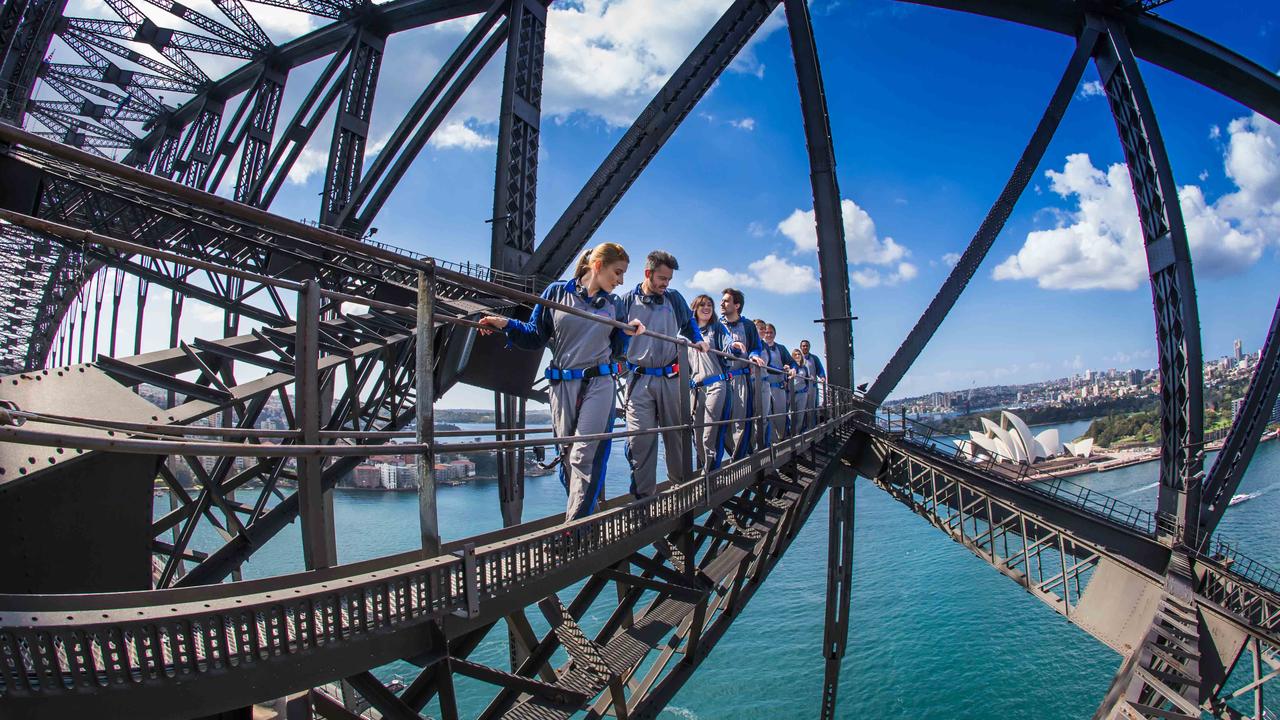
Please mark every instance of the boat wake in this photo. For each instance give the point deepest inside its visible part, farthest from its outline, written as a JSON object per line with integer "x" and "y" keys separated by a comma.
{"x": 1138, "y": 490}
{"x": 1239, "y": 498}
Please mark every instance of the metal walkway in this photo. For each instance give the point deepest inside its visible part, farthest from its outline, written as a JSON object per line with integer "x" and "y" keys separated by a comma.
{"x": 229, "y": 645}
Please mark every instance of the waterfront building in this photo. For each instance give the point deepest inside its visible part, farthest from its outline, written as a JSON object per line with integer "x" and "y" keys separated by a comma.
{"x": 366, "y": 476}
{"x": 465, "y": 467}
{"x": 1012, "y": 441}
{"x": 398, "y": 477}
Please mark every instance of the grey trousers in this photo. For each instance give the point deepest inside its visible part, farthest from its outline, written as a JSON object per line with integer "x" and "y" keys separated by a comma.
{"x": 803, "y": 416}
{"x": 776, "y": 403}
{"x": 652, "y": 402}
{"x": 737, "y": 436}
{"x": 709, "y": 407}
{"x": 585, "y": 463}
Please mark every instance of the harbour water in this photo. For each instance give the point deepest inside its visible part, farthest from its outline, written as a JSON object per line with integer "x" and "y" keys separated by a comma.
{"x": 935, "y": 631}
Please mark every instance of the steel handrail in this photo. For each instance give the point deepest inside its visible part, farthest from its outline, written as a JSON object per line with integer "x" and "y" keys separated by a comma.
{"x": 1053, "y": 486}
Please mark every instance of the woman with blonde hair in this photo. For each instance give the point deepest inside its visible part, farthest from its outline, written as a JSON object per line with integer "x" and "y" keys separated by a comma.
{"x": 584, "y": 356}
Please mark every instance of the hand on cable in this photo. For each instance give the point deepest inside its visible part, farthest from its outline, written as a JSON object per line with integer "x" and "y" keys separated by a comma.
{"x": 636, "y": 328}
{"x": 738, "y": 346}
{"x": 758, "y": 360}
{"x": 491, "y": 323}
{"x": 703, "y": 345}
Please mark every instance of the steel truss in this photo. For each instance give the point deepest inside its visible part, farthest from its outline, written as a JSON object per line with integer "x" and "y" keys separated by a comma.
{"x": 1181, "y": 640}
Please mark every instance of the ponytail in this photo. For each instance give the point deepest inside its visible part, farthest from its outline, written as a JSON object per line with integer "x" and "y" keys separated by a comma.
{"x": 584, "y": 264}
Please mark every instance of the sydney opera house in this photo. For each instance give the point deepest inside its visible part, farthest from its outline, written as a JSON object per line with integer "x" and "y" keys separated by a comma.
{"x": 1012, "y": 441}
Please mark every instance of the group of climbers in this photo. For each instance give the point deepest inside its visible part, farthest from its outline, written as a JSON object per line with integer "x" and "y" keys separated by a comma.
{"x": 588, "y": 357}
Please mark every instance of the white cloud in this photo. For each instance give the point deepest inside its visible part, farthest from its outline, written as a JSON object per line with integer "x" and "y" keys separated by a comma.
{"x": 770, "y": 273}
{"x": 309, "y": 162}
{"x": 459, "y": 135}
{"x": 950, "y": 259}
{"x": 1093, "y": 88}
{"x": 863, "y": 244}
{"x": 869, "y": 277}
{"x": 746, "y": 123}
{"x": 608, "y": 58}
{"x": 1215, "y": 132}
{"x": 755, "y": 229}
{"x": 282, "y": 23}
{"x": 875, "y": 261}
{"x": 1098, "y": 245}
{"x": 779, "y": 276}
{"x": 1253, "y": 164}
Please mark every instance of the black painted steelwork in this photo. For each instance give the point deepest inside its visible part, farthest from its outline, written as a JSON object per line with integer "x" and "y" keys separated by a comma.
{"x": 1173, "y": 290}
{"x": 347, "y": 383}
{"x": 646, "y": 136}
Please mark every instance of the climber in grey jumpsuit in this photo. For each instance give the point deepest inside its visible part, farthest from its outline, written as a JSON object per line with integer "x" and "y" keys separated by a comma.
{"x": 778, "y": 357}
{"x": 585, "y": 356}
{"x": 737, "y": 437}
{"x": 653, "y": 390}
{"x": 816, "y": 371}
{"x": 710, "y": 381}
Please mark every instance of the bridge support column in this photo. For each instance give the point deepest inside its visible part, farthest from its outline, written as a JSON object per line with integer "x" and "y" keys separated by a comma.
{"x": 428, "y": 516}
{"x": 319, "y": 546}
{"x": 833, "y": 267}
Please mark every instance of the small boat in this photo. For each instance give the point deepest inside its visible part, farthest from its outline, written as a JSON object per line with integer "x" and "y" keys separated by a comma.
{"x": 1240, "y": 498}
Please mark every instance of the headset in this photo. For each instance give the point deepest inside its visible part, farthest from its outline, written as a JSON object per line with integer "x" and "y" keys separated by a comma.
{"x": 596, "y": 302}
{"x": 647, "y": 299}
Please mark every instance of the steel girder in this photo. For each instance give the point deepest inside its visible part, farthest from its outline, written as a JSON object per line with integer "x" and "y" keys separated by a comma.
{"x": 515, "y": 195}
{"x": 26, "y": 27}
{"x": 390, "y": 17}
{"x": 515, "y": 188}
{"x": 1099, "y": 570}
{"x": 1150, "y": 38}
{"x": 1172, "y": 287}
{"x": 714, "y": 541}
{"x": 833, "y": 270}
{"x": 351, "y": 126}
{"x": 1246, "y": 431}
{"x": 422, "y": 119}
{"x": 645, "y": 137}
{"x": 976, "y": 251}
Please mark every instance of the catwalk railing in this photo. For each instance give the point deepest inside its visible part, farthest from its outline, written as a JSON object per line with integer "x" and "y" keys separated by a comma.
{"x": 75, "y": 645}
{"x": 999, "y": 528}
{"x": 935, "y": 441}
{"x": 57, "y": 645}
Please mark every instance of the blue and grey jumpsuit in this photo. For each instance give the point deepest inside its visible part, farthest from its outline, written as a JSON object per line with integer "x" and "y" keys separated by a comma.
{"x": 710, "y": 380}
{"x": 800, "y": 399}
{"x": 583, "y": 360}
{"x": 814, "y": 366}
{"x": 774, "y": 400}
{"x": 737, "y": 440}
{"x": 653, "y": 391}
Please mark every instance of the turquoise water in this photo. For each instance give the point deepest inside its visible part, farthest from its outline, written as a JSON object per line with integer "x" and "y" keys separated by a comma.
{"x": 935, "y": 632}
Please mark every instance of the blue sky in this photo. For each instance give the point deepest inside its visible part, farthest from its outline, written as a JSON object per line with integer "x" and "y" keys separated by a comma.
{"x": 930, "y": 109}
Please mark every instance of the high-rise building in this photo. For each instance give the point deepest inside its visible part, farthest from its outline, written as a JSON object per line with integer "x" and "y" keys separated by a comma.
{"x": 1239, "y": 347}
{"x": 1236, "y": 406}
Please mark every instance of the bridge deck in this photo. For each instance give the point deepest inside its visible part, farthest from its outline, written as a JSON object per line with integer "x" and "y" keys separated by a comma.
{"x": 83, "y": 654}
